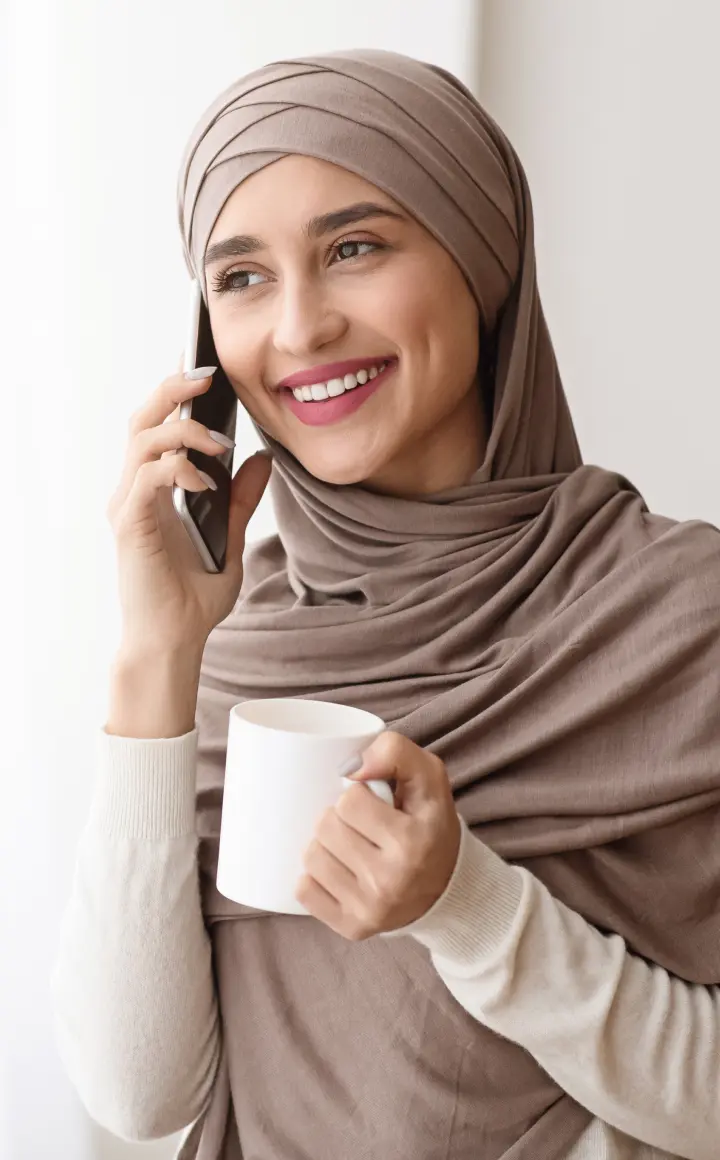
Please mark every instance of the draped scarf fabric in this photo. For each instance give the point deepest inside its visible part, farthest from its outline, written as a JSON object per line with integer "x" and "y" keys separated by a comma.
{"x": 554, "y": 642}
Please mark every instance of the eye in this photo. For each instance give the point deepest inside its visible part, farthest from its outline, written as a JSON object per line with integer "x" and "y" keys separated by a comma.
{"x": 226, "y": 281}
{"x": 341, "y": 249}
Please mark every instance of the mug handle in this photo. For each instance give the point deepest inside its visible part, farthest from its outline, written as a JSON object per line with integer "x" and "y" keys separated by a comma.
{"x": 380, "y": 788}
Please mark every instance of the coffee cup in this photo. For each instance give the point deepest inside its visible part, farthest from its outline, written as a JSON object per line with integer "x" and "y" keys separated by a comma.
{"x": 282, "y": 770}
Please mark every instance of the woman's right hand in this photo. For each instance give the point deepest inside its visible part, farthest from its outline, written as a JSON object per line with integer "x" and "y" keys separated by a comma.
{"x": 167, "y": 598}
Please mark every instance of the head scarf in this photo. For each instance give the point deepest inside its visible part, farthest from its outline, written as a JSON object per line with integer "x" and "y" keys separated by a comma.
{"x": 554, "y": 642}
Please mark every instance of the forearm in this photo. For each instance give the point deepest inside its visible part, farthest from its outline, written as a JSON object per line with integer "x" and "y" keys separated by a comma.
{"x": 633, "y": 1044}
{"x": 135, "y": 1007}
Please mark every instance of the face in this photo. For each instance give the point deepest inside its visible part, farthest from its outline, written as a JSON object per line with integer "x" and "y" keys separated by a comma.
{"x": 326, "y": 288}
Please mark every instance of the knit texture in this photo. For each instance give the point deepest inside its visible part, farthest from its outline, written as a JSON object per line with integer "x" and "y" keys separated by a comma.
{"x": 136, "y": 1012}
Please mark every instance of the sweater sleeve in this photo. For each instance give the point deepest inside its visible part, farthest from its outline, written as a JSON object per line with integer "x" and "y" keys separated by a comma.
{"x": 134, "y": 1002}
{"x": 635, "y": 1045}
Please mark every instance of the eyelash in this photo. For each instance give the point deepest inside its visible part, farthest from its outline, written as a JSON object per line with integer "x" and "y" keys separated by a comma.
{"x": 222, "y": 283}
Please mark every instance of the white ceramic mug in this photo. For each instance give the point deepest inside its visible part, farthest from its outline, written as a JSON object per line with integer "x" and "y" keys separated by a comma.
{"x": 281, "y": 772}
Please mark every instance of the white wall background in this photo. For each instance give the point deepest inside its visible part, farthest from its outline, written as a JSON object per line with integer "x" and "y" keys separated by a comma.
{"x": 101, "y": 99}
{"x": 612, "y": 106}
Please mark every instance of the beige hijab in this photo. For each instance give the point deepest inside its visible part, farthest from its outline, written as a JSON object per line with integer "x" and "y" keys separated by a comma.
{"x": 553, "y": 641}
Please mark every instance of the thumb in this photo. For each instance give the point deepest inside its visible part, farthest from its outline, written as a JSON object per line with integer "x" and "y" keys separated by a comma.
{"x": 247, "y": 489}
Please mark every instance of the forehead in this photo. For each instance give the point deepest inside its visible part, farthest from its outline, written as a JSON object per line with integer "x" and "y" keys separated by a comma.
{"x": 289, "y": 192}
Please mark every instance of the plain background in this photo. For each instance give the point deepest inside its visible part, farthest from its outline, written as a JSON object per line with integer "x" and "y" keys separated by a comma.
{"x": 612, "y": 107}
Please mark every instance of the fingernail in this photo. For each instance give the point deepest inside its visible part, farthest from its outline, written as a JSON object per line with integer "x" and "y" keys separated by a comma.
{"x": 222, "y": 439}
{"x": 352, "y": 765}
{"x": 208, "y": 479}
{"x": 200, "y": 373}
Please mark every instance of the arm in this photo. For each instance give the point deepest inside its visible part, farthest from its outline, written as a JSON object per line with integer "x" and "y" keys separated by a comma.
{"x": 136, "y": 1013}
{"x": 632, "y": 1043}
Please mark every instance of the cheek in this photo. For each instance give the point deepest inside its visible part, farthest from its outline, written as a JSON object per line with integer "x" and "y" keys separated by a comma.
{"x": 404, "y": 311}
{"x": 236, "y": 345}
{"x": 240, "y": 353}
{"x": 437, "y": 323}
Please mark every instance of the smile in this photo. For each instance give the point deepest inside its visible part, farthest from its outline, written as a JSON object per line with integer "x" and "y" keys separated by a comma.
{"x": 323, "y": 403}
{"x": 334, "y": 387}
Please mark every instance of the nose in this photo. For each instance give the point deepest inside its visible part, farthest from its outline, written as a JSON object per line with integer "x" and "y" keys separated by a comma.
{"x": 306, "y": 319}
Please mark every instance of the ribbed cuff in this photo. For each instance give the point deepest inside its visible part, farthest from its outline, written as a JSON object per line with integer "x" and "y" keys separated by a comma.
{"x": 145, "y": 786}
{"x": 473, "y": 916}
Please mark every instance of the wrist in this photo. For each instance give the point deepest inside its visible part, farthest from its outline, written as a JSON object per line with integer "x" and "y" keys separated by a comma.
{"x": 133, "y": 655}
{"x": 154, "y": 694}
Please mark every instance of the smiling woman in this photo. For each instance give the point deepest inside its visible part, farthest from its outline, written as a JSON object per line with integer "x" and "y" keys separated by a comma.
{"x": 311, "y": 304}
{"x": 543, "y": 650}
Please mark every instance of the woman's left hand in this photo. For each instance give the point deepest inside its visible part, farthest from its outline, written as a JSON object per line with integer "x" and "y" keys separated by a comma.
{"x": 373, "y": 868}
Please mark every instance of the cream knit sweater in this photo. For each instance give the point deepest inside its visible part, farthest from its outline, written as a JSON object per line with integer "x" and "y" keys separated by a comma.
{"x": 136, "y": 1012}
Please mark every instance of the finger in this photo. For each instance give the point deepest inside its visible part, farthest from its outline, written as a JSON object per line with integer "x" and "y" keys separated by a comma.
{"x": 329, "y": 871}
{"x": 179, "y": 370}
{"x": 319, "y": 902}
{"x": 173, "y": 436}
{"x": 139, "y": 505}
{"x": 173, "y": 391}
{"x": 247, "y": 489}
{"x": 352, "y": 835}
{"x": 367, "y": 824}
{"x": 166, "y": 439}
{"x": 420, "y": 775}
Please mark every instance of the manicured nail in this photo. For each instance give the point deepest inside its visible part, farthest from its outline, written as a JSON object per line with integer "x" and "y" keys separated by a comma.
{"x": 352, "y": 765}
{"x": 200, "y": 373}
{"x": 220, "y": 438}
{"x": 208, "y": 479}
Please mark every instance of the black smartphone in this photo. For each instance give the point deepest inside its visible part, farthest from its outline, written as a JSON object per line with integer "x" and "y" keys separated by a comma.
{"x": 205, "y": 514}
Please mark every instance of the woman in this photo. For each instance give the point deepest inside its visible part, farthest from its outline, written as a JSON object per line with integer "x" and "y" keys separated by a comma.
{"x": 544, "y": 650}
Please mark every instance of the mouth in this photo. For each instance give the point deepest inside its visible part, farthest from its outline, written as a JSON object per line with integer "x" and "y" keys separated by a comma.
{"x": 320, "y": 403}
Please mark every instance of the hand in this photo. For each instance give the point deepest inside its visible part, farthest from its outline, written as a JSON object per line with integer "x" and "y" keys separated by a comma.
{"x": 371, "y": 868}
{"x": 166, "y": 596}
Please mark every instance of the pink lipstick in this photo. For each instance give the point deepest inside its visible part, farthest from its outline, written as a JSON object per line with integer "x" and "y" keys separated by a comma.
{"x": 320, "y": 412}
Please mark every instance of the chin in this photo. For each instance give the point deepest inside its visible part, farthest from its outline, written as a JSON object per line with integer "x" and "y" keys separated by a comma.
{"x": 340, "y": 476}
{"x": 342, "y": 472}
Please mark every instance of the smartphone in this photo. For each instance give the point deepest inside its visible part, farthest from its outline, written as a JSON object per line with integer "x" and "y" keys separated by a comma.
{"x": 205, "y": 514}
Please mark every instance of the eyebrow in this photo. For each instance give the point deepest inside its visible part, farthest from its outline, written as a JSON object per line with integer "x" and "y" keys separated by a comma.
{"x": 317, "y": 227}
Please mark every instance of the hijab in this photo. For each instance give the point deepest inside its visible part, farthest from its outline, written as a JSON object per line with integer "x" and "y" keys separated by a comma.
{"x": 538, "y": 628}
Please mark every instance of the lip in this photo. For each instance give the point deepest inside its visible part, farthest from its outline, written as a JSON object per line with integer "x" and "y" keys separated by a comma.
{"x": 324, "y": 411}
{"x": 336, "y": 370}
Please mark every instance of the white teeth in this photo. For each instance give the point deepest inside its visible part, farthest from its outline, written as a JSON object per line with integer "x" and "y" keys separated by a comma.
{"x": 329, "y": 390}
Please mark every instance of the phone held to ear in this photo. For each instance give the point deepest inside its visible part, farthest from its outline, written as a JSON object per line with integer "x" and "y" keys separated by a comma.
{"x": 205, "y": 514}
